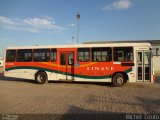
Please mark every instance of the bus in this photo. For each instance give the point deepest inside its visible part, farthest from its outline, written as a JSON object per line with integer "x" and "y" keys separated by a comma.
{"x": 117, "y": 63}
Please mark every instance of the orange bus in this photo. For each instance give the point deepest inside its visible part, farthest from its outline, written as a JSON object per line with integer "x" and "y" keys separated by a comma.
{"x": 114, "y": 62}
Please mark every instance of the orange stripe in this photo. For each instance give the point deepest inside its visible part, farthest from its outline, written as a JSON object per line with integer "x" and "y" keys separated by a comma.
{"x": 56, "y": 65}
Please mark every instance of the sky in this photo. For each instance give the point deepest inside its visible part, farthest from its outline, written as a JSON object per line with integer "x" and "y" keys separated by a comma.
{"x": 54, "y": 22}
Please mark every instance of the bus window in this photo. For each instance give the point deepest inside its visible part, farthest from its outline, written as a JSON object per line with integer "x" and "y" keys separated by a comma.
{"x": 139, "y": 57}
{"x": 24, "y": 55}
{"x": 70, "y": 59}
{"x": 53, "y": 55}
{"x": 101, "y": 54}
{"x": 124, "y": 54}
{"x": 41, "y": 55}
{"x": 147, "y": 57}
{"x": 10, "y": 55}
{"x": 83, "y": 54}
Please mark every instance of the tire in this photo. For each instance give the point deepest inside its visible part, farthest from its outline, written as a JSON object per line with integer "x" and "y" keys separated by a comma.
{"x": 41, "y": 77}
{"x": 118, "y": 80}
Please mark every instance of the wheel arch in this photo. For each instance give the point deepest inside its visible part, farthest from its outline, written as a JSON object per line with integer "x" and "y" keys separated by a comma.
{"x": 40, "y": 71}
{"x": 121, "y": 72}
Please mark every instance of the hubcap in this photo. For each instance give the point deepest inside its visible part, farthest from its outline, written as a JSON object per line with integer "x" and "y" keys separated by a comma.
{"x": 119, "y": 80}
{"x": 40, "y": 78}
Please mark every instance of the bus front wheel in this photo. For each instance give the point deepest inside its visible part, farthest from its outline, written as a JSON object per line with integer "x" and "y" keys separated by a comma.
{"x": 41, "y": 77}
{"x": 118, "y": 79}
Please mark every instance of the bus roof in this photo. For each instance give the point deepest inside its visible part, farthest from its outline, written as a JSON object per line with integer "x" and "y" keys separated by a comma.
{"x": 83, "y": 45}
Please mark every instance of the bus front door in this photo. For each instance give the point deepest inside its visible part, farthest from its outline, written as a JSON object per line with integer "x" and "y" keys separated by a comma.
{"x": 143, "y": 65}
{"x": 67, "y": 66}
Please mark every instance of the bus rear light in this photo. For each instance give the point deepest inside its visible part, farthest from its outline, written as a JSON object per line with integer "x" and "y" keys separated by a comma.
{"x": 154, "y": 77}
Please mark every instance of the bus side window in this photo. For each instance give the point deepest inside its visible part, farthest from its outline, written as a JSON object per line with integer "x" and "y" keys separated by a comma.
{"x": 28, "y": 56}
{"x": 10, "y": 55}
{"x": 123, "y": 54}
{"x": 120, "y": 56}
{"x": 36, "y": 56}
{"x": 41, "y": 55}
{"x": 101, "y": 54}
{"x": 53, "y": 55}
{"x": 24, "y": 55}
{"x": 83, "y": 54}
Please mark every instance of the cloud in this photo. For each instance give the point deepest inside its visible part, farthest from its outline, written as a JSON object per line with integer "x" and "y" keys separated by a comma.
{"x": 7, "y": 21}
{"x": 71, "y": 25}
{"x": 33, "y": 25}
{"x": 118, "y": 5}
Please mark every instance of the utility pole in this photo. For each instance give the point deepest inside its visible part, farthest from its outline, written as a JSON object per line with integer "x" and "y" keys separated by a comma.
{"x": 72, "y": 40}
{"x": 78, "y": 18}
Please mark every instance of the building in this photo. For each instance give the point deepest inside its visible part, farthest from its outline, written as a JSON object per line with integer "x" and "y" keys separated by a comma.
{"x": 155, "y": 49}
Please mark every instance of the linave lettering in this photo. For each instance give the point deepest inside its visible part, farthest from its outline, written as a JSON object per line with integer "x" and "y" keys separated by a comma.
{"x": 100, "y": 68}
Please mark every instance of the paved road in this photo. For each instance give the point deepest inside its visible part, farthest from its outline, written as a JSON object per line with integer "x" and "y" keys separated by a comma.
{"x": 1, "y": 69}
{"x": 24, "y": 96}
{"x": 19, "y": 96}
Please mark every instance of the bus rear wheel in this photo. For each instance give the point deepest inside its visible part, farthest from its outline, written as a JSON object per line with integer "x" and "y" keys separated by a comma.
{"x": 118, "y": 79}
{"x": 41, "y": 77}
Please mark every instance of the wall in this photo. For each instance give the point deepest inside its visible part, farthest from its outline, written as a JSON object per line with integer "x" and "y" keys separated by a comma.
{"x": 156, "y": 59}
{"x": 156, "y": 64}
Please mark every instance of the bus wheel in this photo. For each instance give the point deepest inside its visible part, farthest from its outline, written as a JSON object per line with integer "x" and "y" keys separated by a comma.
{"x": 118, "y": 79}
{"x": 41, "y": 77}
